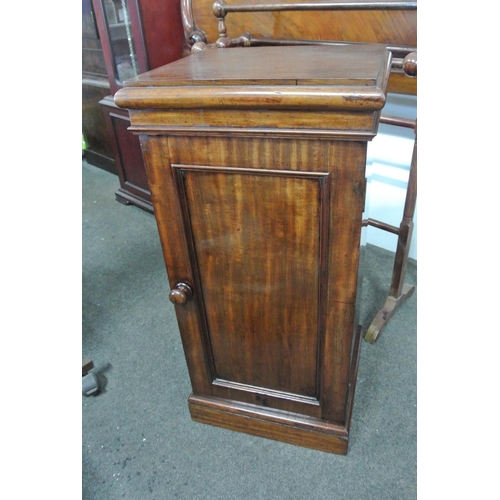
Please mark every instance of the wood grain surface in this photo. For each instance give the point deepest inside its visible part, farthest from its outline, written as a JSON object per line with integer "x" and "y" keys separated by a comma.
{"x": 262, "y": 224}
{"x": 394, "y": 27}
{"x": 390, "y": 28}
{"x": 259, "y": 263}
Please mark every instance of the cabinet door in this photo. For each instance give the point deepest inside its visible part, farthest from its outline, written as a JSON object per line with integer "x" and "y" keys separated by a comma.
{"x": 251, "y": 227}
{"x": 254, "y": 235}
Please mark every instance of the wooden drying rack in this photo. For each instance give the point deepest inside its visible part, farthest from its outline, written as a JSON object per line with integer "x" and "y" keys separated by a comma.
{"x": 404, "y": 61}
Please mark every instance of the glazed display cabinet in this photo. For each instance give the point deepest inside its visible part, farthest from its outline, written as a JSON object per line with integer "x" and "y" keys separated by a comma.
{"x": 136, "y": 36}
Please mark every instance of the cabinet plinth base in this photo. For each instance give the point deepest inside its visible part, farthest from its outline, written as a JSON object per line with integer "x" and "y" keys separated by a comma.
{"x": 262, "y": 422}
{"x": 278, "y": 425}
{"x": 127, "y": 198}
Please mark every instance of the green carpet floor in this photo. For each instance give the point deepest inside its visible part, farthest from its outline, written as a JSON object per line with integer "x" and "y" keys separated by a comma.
{"x": 138, "y": 439}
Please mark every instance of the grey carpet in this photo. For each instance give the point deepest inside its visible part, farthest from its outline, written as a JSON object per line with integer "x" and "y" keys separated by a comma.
{"x": 138, "y": 439}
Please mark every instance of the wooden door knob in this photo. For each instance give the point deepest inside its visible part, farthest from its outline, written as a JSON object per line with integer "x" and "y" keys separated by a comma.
{"x": 410, "y": 65}
{"x": 180, "y": 294}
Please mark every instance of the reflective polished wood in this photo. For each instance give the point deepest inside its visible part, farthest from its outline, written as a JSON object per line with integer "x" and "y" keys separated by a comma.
{"x": 258, "y": 182}
{"x": 392, "y": 28}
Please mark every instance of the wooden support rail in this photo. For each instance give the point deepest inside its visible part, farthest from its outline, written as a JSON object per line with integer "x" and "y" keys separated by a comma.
{"x": 220, "y": 10}
{"x": 398, "y": 122}
{"x": 310, "y": 6}
{"x": 381, "y": 225}
{"x": 398, "y": 52}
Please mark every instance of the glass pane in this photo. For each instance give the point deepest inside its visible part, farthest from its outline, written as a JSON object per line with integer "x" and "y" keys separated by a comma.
{"x": 122, "y": 43}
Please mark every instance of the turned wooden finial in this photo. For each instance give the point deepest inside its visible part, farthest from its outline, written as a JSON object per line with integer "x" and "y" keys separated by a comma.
{"x": 198, "y": 47}
{"x": 218, "y": 8}
{"x": 410, "y": 65}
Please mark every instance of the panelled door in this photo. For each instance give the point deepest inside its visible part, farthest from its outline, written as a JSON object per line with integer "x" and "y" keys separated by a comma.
{"x": 254, "y": 234}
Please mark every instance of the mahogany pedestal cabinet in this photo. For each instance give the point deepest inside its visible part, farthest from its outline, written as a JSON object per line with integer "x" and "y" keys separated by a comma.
{"x": 256, "y": 162}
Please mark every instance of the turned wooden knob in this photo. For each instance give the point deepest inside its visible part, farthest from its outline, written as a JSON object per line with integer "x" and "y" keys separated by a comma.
{"x": 198, "y": 47}
{"x": 180, "y": 294}
{"x": 410, "y": 64}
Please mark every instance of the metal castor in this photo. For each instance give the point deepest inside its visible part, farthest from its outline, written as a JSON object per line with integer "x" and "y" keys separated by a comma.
{"x": 90, "y": 382}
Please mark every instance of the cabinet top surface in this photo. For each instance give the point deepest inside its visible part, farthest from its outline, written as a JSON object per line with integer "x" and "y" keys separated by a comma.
{"x": 293, "y": 65}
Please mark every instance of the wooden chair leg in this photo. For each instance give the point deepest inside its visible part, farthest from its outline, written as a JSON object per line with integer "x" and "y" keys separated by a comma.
{"x": 399, "y": 290}
{"x": 390, "y": 306}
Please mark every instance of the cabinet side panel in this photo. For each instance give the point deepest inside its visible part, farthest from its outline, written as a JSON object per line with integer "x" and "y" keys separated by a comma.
{"x": 347, "y": 163}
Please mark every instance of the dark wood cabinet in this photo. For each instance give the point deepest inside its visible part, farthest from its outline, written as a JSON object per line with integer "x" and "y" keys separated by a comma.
{"x": 134, "y": 187}
{"x": 136, "y": 36}
{"x": 95, "y": 86}
{"x": 256, "y": 162}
